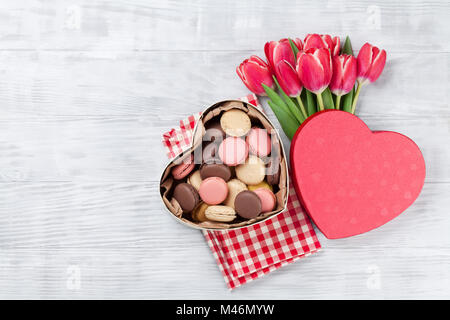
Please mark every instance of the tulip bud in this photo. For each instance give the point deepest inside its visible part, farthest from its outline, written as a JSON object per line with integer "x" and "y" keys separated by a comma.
{"x": 344, "y": 74}
{"x": 288, "y": 79}
{"x": 254, "y": 72}
{"x": 314, "y": 69}
{"x": 371, "y": 62}
{"x": 277, "y": 51}
{"x": 322, "y": 41}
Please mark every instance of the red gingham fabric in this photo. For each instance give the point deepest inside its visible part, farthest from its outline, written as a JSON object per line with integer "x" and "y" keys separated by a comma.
{"x": 248, "y": 253}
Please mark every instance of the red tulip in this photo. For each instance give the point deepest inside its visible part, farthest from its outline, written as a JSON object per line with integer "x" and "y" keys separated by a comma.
{"x": 322, "y": 41}
{"x": 253, "y": 72}
{"x": 288, "y": 79}
{"x": 290, "y": 83}
{"x": 344, "y": 74}
{"x": 277, "y": 51}
{"x": 371, "y": 62}
{"x": 314, "y": 69}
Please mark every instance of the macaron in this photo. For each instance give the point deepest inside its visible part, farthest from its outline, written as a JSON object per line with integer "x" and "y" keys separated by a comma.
{"x": 234, "y": 187}
{"x": 220, "y": 213}
{"x": 235, "y": 122}
{"x": 262, "y": 184}
{"x": 183, "y": 169}
{"x": 195, "y": 179}
{"x": 186, "y": 196}
{"x": 252, "y": 171}
{"x": 259, "y": 142}
{"x": 199, "y": 212}
{"x": 247, "y": 204}
{"x": 215, "y": 170}
{"x": 233, "y": 151}
{"x": 268, "y": 199}
{"x": 213, "y": 190}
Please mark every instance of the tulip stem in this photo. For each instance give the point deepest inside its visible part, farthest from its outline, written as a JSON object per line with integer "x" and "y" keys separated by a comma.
{"x": 302, "y": 107}
{"x": 320, "y": 100}
{"x": 338, "y": 102}
{"x": 356, "y": 97}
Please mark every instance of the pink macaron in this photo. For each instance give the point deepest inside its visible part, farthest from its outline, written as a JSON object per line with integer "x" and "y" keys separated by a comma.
{"x": 233, "y": 151}
{"x": 182, "y": 170}
{"x": 268, "y": 199}
{"x": 259, "y": 142}
{"x": 213, "y": 190}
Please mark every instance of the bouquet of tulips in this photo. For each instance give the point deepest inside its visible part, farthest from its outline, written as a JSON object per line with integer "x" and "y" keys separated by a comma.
{"x": 311, "y": 76}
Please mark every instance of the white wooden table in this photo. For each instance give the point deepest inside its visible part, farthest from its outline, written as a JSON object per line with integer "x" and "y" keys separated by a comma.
{"x": 87, "y": 87}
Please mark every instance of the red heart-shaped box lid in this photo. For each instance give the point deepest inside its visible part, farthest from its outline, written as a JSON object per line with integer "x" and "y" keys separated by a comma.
{"x": 351, "y": 180}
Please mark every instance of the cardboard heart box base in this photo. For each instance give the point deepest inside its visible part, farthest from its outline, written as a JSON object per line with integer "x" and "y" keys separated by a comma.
{"x": 351, "y": 180}
{"x": 167, "y": 183}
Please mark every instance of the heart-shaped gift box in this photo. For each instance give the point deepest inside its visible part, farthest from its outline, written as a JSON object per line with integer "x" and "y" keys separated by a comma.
{"x": 167, "y": 183}
{"x": 350, "y": 179}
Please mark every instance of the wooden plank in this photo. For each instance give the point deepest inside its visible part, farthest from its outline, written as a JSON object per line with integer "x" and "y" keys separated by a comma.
{"x": 171, "y": 85}
{"x": 116, "y": 273}
{"x": 220, "y": 25}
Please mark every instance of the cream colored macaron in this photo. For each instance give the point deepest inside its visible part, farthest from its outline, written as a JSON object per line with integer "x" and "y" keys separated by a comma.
{"x": 195, "y": 179}
{"x": 235, "y": 122}
{"x": 220, "y": 213}
{"x": 252, "y": 171}
{"x": 234, "y": 187}
{"x": 260, "y": 185}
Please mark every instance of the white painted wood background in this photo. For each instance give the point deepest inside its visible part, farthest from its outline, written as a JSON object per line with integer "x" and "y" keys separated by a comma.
{"x": 86, "y": 89}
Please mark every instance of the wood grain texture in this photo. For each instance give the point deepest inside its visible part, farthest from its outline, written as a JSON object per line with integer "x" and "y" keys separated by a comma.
{"x": 87, "y": 88}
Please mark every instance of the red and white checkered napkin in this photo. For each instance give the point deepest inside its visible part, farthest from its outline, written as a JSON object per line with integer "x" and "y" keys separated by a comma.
{"x": 248, "y": 253}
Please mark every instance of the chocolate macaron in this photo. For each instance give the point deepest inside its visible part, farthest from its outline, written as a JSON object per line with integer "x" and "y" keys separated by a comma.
{"x": 247, "y": 204}
{"x": 187, "y": 196}
{"x": 215, "y": 170}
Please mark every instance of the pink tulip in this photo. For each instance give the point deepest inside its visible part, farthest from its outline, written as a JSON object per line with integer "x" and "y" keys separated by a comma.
{"x": 344, "y": 74}
{"x": 371, "y": 62}
{"x": 322, "y": 41}
{"x": 290, "y": 83}
{"x": 277, "y": 51}
{"x": 253, "y": 72}
{"x": 288, "y": 79}
{"x": 314, "y": 70}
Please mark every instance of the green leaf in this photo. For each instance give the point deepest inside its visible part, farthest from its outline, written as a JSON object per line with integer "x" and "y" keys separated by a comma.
{"x": 347, "y": 100}
{"x": 291, "y": 105}
{"x": 328, "y": 102}
{"x": 294, "y": 47}
{"x": 311, "y": 106}
{"x": 347, "y": 49}
{"x": 276, "y": 99}
{"x": 288, "y": 123}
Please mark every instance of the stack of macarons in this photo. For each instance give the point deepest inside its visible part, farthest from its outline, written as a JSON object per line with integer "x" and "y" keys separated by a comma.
{"x": 237, "y": 175}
